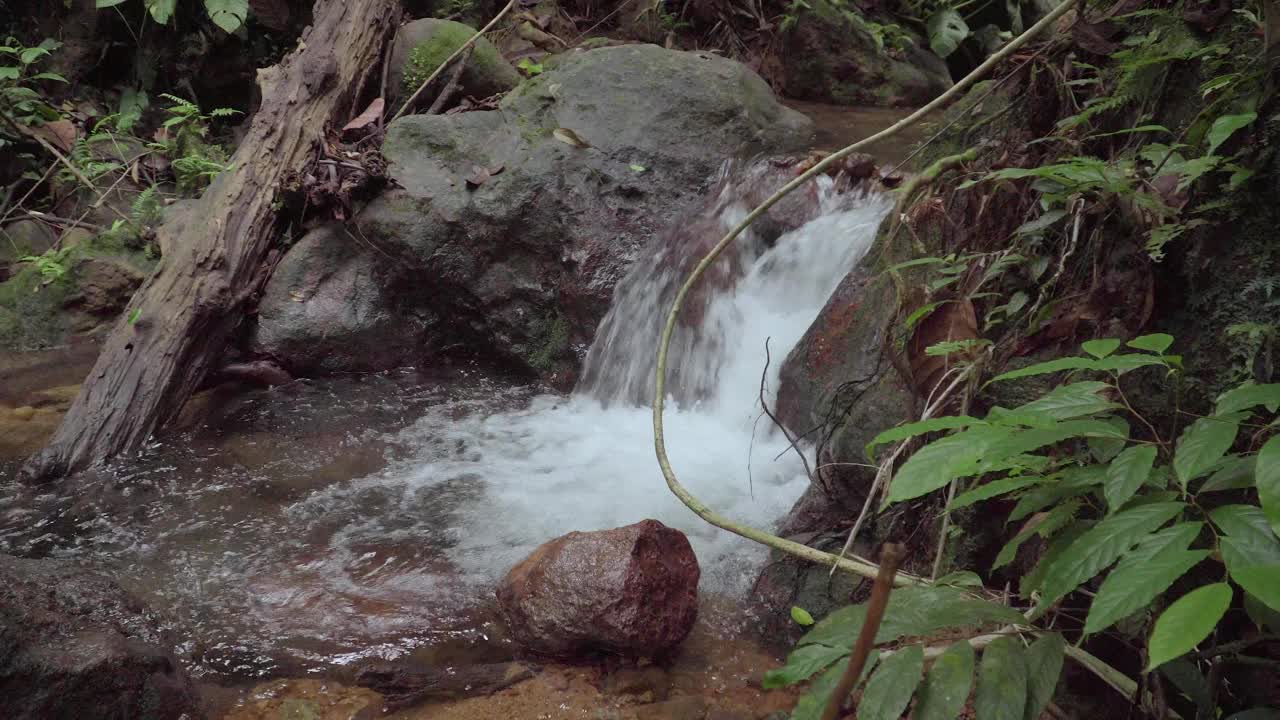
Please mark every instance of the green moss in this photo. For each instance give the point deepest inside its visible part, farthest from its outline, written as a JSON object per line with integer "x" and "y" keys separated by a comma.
{"x": 31, "y": 316}
{"x": 550, "y": 341}
{"x": 432, "y": 52}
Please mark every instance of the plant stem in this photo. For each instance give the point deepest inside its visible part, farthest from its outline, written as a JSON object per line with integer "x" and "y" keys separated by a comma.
{"x": 890, "y": 557}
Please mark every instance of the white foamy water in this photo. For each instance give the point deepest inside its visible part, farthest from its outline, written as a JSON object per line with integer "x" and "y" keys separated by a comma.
{"x": 587, "y": 462}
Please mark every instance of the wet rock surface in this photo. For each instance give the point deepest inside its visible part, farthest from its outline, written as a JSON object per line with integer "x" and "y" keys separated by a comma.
{"x": 513, "y": 231}
{"x": 73, "y": 644}
{"x": 631, "y": 590}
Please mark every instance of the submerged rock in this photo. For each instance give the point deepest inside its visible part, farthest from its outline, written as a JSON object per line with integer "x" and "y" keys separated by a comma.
{"x": 514, "y": 225}
{"x": 74, "y": 644}
{"x": 631, "y": 590}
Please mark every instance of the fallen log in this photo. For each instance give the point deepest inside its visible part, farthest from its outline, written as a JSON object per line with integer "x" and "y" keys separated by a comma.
{"x": 177, "y": 325}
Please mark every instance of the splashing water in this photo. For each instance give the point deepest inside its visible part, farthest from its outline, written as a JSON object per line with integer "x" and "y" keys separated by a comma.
{"x": 259, "y": 553}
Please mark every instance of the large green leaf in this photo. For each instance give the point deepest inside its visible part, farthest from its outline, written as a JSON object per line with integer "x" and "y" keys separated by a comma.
{"x": 910, "y": 430}
{"x": 1044, "y": 667}
{"x": 1233, "y": 473}
{"x": 1249, "y": 538}
{"x": 947, "y": 29}
{"x": 1052, "y": 522}
{"x": 993, "y": 489}
{"x": 1100, "y": 348}
{"x": 1044, "y": 368}
{"x": 1105, "y": 449}
{"x": 1261, "y": 615}
{"x": 1188, "y": 621}
{"x": 1102, "y": 545}
{"x": 1267, "y": 477}
{"x": 227, "y": 14}
{"x": 1226, "y": 126}
{"x": 890, "y": 689}
{"x": 1260, "y": 581}
{"x": 837, "y": 629}
{"x": 162, "y": 10}
{"x": 1002, "y": 681}
{"x": 1247, "y": 397}
{"x": 1155, "y": 342}
{"x": 1144, "y": 573}
{"x": 913, "y": 610}
{"x": 1126, "y": 473}
{"x": 938, "y": 463}
{"x": 814, "y": 700}
{"x": 1203, "y": 444}
{"x": 1026, "y": 441}
{"x": 1071, "y": 401}
{"x": 1069, "y": 483}
{"x": 946, "y": 689}
{"x": 803, "y": 662}
{"x": 106, "y": 3}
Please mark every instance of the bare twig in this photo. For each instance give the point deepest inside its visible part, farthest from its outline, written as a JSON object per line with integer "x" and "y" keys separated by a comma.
{"x": 890, "y": 557}
{"x": 30, "y": 191}
{"x": 452, "y": 86}
{"x": 456, "y": 53}
{"x": 764, "y": 405}
{"x": 55, "y": 220}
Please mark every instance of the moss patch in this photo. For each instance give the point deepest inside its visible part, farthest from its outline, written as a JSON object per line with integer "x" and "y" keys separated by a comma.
{"x": 550, "y": 341}
{"x": 429, "y": 54}
{"x": 31, "y": 315}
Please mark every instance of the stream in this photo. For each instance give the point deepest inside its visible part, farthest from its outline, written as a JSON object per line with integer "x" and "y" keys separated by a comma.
{"x": 304, "y": 529}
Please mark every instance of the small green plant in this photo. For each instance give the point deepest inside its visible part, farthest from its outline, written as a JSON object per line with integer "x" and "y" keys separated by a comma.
{"x": 195, "y": 160}
{"x": 52, "y": 265}
{"x": 529, "y": 67}
{"x": 20, "y": 98}
{"x": 229, "y": 15}
{"x": 1163, "y": 533}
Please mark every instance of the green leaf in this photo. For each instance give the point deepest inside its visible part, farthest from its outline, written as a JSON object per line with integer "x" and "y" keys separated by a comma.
{"x": 1247, "y": 397}
{"x": 946, "y": 689}
{"x": 1143, "y": 574}
{"x": 994, "y": 489}
{"x": 1267, "y": 477}
{"x": 1052, "y": 522}
{"x": 1102, "y": 545}
{"x": 1044, "y": 368}
{"x": 960, "y": 578}
{"x": 31, "y": 54}
{"x": 1071, "y": 482}
{"x": 890, "y": 689}
{"x": 940, "y": 462}
{"x": 1126, "y": 474}
{"x": 1044, "y": 667}
{"x": 1155, "y": 342}
{"x": 1105, "y": 449}
{"x": 636, "y": 168}
{"x": 1261, "y": 713}
{"x": 162, "y": 10}
{"x": 814, "y": 701}
{"x": 1002, "y": 681}
{"x": 1187, "y": 622}
{"x": 1226, "y": 126}
{"x": 902, "y": 432}
{"x": 10, "y": 72}
{"x": 801, "y": 616}
{"x": 106, "y": 3}
{"x": 914, "y": 610}
{"x": 1233, "y": 473}
{"x": 49, "y": 76}
{"x": 1260, "y": 614}
{"x": 1071, "y": 401}
{"x": 1186, "y": 677}
{"x": 227, "y": 14}
{"x": 997, "y": 452}
{"x": 1101, "y": 348}
{"x": 837, "y": 630}
{"x": 803, "y": 663}
{"x": 1122, "y": 364}
{"x": 947, "y": 29}
{"x": 1203, "y": 444}
{"x": 134, "y": 315}
{"x": 1249, "y": 540}
{"x": 1260, "y": 581}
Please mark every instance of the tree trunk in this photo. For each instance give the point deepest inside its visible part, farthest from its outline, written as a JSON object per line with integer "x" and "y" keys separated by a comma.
{"x": 178, "y": 323}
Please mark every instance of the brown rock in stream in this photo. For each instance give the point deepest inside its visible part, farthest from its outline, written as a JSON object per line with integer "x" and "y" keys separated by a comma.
{"x": 631, "y": 590}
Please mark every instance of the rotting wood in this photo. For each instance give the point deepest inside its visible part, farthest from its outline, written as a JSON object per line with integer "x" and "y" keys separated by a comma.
{"x": 175, "y": 329}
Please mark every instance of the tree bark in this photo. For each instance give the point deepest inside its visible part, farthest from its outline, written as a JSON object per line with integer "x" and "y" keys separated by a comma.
{"x": 178, "y": 323}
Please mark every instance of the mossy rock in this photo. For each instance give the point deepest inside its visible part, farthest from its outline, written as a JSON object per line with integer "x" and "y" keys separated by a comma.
{"x": 422, "y": 45}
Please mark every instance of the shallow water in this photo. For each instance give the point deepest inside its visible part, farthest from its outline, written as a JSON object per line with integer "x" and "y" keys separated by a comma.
{"x": 306, "y": 528}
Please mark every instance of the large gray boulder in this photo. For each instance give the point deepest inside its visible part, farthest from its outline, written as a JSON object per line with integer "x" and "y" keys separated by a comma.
{"x": 74, "y": 645}
{"x": 514, "y": 232}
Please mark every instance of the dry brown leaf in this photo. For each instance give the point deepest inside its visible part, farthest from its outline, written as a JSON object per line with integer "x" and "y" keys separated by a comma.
{"x": 569, "y": 137}
{"x": 362, "y": 122}
{"x": 953, "y": 321}
{"x": 61, "y": 134}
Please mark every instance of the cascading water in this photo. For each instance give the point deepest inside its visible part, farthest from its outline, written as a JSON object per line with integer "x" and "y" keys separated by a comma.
{"x": 326, "y": 572}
